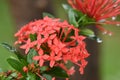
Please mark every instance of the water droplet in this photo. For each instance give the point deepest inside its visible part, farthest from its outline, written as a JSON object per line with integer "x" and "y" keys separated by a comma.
{"x": 92, "y": 35}
{"x": 105, "y": 32}
{"x": 113, "y": 18}
{"x": 117, "y": 24}
{"x": 110, "y": 33}
{"x": 99, "y": 40}
{"x": 102, "y": 20}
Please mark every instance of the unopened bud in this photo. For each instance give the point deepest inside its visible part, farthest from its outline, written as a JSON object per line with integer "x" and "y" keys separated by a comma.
{"x": 25, "y": 69}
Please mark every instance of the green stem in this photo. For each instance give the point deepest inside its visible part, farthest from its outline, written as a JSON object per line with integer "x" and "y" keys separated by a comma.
{"x": 82, "y": 18}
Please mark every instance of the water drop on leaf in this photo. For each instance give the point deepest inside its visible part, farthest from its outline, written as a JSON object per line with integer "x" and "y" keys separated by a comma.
{"x": 99, "y": 40}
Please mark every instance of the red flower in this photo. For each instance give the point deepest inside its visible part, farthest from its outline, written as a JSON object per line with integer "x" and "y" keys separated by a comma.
{"x": 41, "y": 58}
{"x": 99, "y": 10}
{"x": 52, "y": 58}
{"x": 54, "y": 42}
{"x": 82, "y": 66}
{"x": 28, "y": 45}
{"x": 69, "y": 71}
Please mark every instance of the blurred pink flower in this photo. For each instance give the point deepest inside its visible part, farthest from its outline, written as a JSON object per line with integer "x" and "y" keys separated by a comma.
{"x": 53, "y": 78}
{"x": 99, "y": 10}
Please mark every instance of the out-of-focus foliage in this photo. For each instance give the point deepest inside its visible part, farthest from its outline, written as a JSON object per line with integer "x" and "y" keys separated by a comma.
{"x": 110, "y": 55}
{"x": 6, "y": 32}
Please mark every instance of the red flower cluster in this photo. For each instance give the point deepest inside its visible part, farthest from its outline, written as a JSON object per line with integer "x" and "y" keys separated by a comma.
{"x": 99, "y": 10}
{"x": 55, "y": 42}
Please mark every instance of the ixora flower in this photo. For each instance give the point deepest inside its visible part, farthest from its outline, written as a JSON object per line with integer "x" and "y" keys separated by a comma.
{"x": 56, "y": 43}
{"x": 99, "y": 10}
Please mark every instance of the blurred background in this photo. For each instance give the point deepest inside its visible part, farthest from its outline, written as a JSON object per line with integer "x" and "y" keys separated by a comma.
{"x": 104, "y": 61}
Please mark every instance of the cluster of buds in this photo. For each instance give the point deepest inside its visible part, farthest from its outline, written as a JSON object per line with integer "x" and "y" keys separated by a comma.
{"x": 14, "y": 75}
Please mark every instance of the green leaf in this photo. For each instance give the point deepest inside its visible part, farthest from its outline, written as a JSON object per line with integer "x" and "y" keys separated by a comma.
{"x": 78, "y": 13}
{"x": 14, "y": 63}
{"x": 87, "y": 32}
{"x": 31, "y": 76}
{"x": 8, "y": 47}
{"x": 66, "y": 7}
{"x": 90, "y": 34}
{"x": 38, "y": 78}
{"x": 57, "y": 72}
{"x": 48, "y": 77}
{"x": 7, "y": 78}
{"x": 14, "y": 75}
{"x": 33, "y": 37}
{"x": 13, "y": 50}
{"x": 43, "y": 68}
{"x": 30, "y": 56}
{"x": 83, "y": 20}
{"x": 48, "y": 14}
{"x": 72, "y": 19}
{"x": 24, "y": 62}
